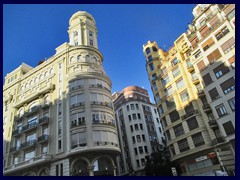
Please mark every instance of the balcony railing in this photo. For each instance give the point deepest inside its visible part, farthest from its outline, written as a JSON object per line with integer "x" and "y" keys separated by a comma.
{"x": 213, "y": 123}
{"x": 206, "y": 108}
{"x": 218, "y": 140}
{"x": 102, "y": 122}
{"x": 190, "y": 68}
{"x": 29, "y": 126}
{"x": 77, "y": 105}
{"x": 16, "y": 132}
{"x": 189, "y": 114}
{"x": 44, "y": 120}
{"x": 102, "y": 104}
{"x": 28, "y": 144}
{"x": 200, "y": 93}
{"x": 32, "y": 111}
{"x": 14, "y": 149}
{"x": 78, "y": 124}
{"x": 195, "y": 80}
{"x": 43, "y": 138}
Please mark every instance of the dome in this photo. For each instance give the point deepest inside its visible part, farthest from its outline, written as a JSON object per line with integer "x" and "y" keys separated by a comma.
{"x": 79, "y": 14}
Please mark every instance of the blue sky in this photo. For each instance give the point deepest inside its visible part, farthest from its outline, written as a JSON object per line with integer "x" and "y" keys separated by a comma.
{"x": 32, "y": 32}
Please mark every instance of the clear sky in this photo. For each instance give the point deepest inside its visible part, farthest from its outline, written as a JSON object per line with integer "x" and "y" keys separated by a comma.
{"x": 32, "y": 32}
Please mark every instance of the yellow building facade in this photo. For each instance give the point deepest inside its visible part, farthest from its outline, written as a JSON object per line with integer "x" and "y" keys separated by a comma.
{"x": 194, "y": 88}
{"x": 58, "y": 117}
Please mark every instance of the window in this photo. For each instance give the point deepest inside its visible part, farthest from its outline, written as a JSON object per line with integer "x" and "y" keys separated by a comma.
{"x": 201, "y": 66}
{"x": 228, "y": 127}
{"x": 222, "y": 33}
{"x": 140, "y": 149}
{"x": 131, "y": 127}
{"x": 214, "y": 56}
{"x": 207, "y": 79}
{"x": 206, "y": 45}
{"x": 154, "y": 86}
{"x": 138, "y": 163}
{"x": 136, "y": 127}
{"x": 134, "y": 116}
{"x": 132, "y": 106}
{"x": 165, "y": 80}
{"x": 141, "y": 126}
{"x": 184, "y": 96}
{"x": 139, "y": 116}
{"x": 154, "y": 77}
{"x": 143, "y": 161}
{"x": 133, "y": 139}
{"x": 91, "y": 42}
{"x": 232, "y": 61}
{"x": 90, "y": 33}
{"x": 221, "y": 110}
{"x": 198, "y": 139}
{"x": 178, "y": 130}
{"x": 180, "y": 83}
{"x": 183, "y": 145}
{"x": 136, "y": 151}
{"x": 164, "y": 71}
{"x": 228, "y": 45}
{"x": 150, "y": 58}
{"x": 176, "y": 72}
{"x": 168, "y": 135}
{"x": 164, "y": 122}
{"x": 29, "y": 155}
{"x": 169, "y": 91}
{"x": 157, "y": 98}
{"x": 138, "y": 138}
{"x": 148, "y": 51}
{"x": 231, "y": 103}
{"x": 213, "y": 94}
{"x": 146, "y": 149}
{"x": 197, "y": 54}
{"x": 228, "y": 85}
{"x": 221, "y": 70}
{"x": 127, "y": 107}
{"x": 172, "y": 149}
{"x": 174, "y": 62}
{"x": 143, "y": 137}
{"x": 160, "y": 109}
{"x": 151, "y": 67}
{"x": 154, "y": 49}
{"x": 129, "y": 117}
{"x": 192, "y": 123}
{"x": 170, "y": 103}
{"x": 174, "y": 116}
{"x": 136, "y": 106}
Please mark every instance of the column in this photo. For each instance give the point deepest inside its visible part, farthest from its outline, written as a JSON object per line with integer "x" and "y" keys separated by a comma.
{"x": 90, "y": 170}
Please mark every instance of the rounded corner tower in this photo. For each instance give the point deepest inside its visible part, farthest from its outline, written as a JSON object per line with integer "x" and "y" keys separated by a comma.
{"x": 93, "y": 144}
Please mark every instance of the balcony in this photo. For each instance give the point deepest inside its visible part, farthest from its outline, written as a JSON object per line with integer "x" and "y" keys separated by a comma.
{"x": 44, "y": 120}
{"x": 200, "y": 93}
{"x": 28, "y": 144}
{"x": 77, "y": 105}
{"x": 32, "y": 111}
{"x": 107, "y": 104}
{"x": 195, "y": 81}
{"x": 14, "y": 149}
{"x": 73, "y": 125}
{"x": 189, "y": 114}
{"x": 18, "y": 118}
{"x": 190, "y": 68}
{"x": 218, "y": 140}
{"x": 102, "y": 122}
{"x": 213, "y": 124}
{"x": 29, "y": 127}
{"x": 16, "y": 132}
{"x": 206, "y": 108}
{"x": 43, "y": 138}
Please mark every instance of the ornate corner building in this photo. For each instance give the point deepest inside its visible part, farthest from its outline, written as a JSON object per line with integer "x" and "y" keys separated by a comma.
{"x": 139, "y": 129}
{"x": 58, "y": 116}
{"x": 194, "y": 88}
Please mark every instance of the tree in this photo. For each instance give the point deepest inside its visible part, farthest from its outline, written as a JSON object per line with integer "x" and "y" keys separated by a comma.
{"x": 159, "y": 164}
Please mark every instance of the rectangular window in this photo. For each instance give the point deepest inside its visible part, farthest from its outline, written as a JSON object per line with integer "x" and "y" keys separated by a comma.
{"x": 221, "y": 110}
{"x": 138, "y": 138}
{"x": 164, "y": 71}
{"x": 57, "y": 170}
{"x": 180, "y": 83}
{"x": 154, "y": 86}
{"x": 232, "y": 61}
{"x": 172, "y": 150}
{"x": 170, "y": 103}
{"x": 133, "y": 139}
{"x": 143, "y": 161}
{"x": 184, "y": 96}
{"x": 138, "y": 163}
{"x": 151, "y": 67}
{"x": 214, "y": 94}
{"x": 91, "y": 42}
{"x": 165, "y": 80}
{"x": 192, "y": 123}
{"x": 222, "y": 33}
{"x": 183, "y": 145}
{"x": 231, "y": 103}
{"x": 208, "y": 44}
{"x": 228, "y": 45}
{"x": 131, "y": 127}
{"x": 146, "y": 149}
{"x": 127, "y": 107}
{"x": 139, "y": 116}
{"x": 198, "y": 139}
{"x": 176, "y": 72}
{"x": 61, "y": 169}
{"x": 134, "y": 116}
{"x": 132, "y": 106}
{"x": 228, "y": 85}
{"x": 174, "y": 116}
{"x": 140, "y": 149}
{"x": 169, "y": 91}
{"x": 201, "y": 66}
{"x": 143, "y": 137}
{"x": 129, "y": 117}
{"x": 136, "y": 151}
{"x": 178, "y": 130}
{"x": 207, "y": 79}
{"x": 168, "y": 135}
{"x": 164, "y": 122}
{"x": 228, "y": 127}
{"x": 221, "y": 70}
{"x": 215, "y": 55}
{"x": 136, "y": 127}
{"x": 141, "y": 126}
{"x": 174, "y": 62}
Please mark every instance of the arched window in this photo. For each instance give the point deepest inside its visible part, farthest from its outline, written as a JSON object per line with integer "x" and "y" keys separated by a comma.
{"x": 79, "y": 58}
{"x": 154, "y": 48}
{"x": 26, "y": 85}
{"x": 46, "y": 74}
{"x": 35, "y": 80}
{"x": 31, "y": 83}
{"x": 51, "y": 71}
{"x": 41, "y": 77}
{"x": 87, "y": 58}
{"x": 71, "y": 60}
{"x": 148, "y": 50}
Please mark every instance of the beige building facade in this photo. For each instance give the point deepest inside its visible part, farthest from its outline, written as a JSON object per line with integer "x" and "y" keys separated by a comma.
{"x": 58, "y": 117}
{"x": 194, "y": 89}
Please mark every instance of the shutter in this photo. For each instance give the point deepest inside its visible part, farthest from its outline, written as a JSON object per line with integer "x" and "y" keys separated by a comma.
{"x": 232, "y": 59}
{"x": 228, "y": 44}
{"x": 201, "y": 65}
